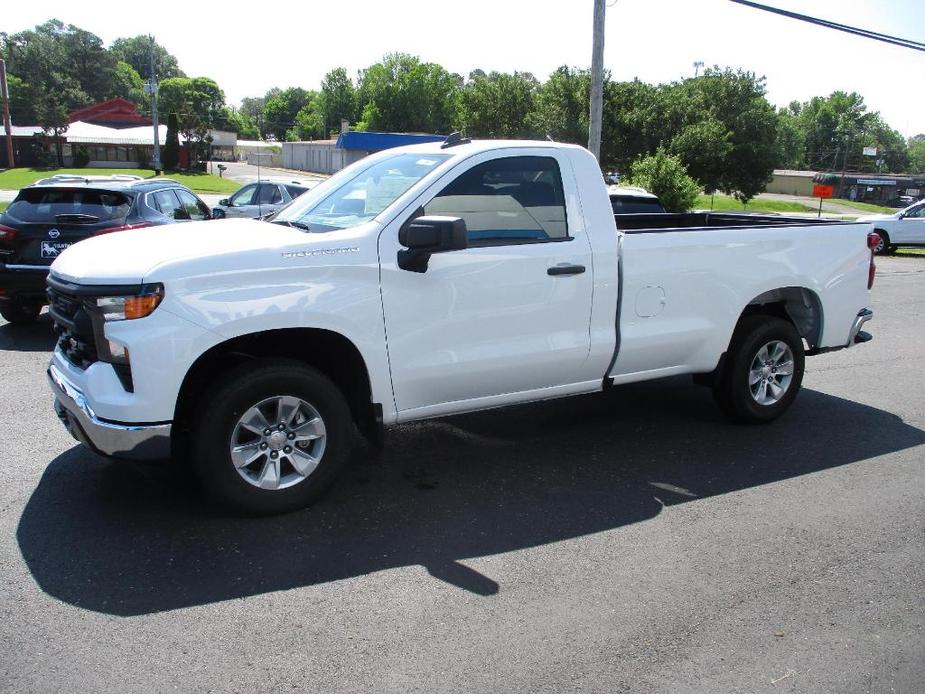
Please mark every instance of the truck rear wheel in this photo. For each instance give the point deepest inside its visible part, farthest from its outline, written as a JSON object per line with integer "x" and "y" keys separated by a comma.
{"x": 763, "y": 370}
{"x": 271, "y": 437}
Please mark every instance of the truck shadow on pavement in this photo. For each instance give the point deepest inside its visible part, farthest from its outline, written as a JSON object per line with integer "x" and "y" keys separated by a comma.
{"x": 127, "y": 540}
{"x": 33, "y": 337}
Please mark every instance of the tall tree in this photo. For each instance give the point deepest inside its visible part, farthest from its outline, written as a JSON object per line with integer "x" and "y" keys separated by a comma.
{"x": 127, "y": 84}
{"x": 52, "y": 112}
{"x": 136, "y": 51}
{"x": 281, "y": 109}
{"x": 562, "y": 106}
{"x": 497, "y": 104}
{"x": 401, "y": 93}
{"x": 337, "y": 100}
{"x": 198, "y": 103}
{"x": 916, "y": 148}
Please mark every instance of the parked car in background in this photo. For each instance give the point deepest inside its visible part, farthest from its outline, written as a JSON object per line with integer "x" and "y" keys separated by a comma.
{"x": 904, "y": 228}
{"x": 57, "y": 212}
{"x": 630, "y": 200}
{"x": 261, "y": 198}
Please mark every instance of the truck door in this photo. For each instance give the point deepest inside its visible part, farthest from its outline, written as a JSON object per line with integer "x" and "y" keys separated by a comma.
{"x": 507, "y": 315}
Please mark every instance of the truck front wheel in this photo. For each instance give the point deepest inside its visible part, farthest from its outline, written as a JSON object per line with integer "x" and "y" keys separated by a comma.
{"x": 271, "y": 436}
{"x": 763, "y": 370}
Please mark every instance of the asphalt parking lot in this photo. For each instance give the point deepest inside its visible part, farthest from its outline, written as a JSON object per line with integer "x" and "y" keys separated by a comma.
{"x": 630, "y": 541}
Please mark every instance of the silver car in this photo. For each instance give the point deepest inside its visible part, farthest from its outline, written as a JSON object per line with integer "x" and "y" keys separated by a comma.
{"x": 260, "y": 198}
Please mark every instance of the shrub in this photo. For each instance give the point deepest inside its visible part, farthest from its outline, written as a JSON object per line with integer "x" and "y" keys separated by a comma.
{"x": 81, "y": 157}
{"x": 664, "y": 175}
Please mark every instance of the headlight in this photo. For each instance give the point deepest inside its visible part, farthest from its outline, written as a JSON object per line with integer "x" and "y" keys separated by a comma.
{"x": 130, "y": 307}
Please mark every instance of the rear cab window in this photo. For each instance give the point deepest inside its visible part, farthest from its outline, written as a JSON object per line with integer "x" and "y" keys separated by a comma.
{"x": 69, "y": 204}
{"x": 628, "y": 204}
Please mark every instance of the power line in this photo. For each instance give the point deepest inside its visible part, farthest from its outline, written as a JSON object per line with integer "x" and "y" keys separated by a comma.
{"x": 865, "y": 33}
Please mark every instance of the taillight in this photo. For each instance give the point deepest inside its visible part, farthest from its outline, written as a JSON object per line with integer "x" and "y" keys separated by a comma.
{"x": 873, "y": 240}
{"x": 7, "y": 234}
{"x": 124, "y": 227}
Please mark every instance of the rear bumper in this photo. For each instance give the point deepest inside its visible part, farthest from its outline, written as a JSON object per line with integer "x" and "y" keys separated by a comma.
{"x": 856, "y": 336}
{"x": 113, "y": 439}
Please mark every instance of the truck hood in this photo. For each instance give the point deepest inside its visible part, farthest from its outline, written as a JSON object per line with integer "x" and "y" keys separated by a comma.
{"x": 128, "y": 257}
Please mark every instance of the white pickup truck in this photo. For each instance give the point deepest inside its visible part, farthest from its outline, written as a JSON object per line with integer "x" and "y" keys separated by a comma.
{"x": 421, "y": 282}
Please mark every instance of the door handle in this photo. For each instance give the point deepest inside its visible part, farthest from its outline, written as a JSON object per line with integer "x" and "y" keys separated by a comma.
{"x": 565, "y": 269}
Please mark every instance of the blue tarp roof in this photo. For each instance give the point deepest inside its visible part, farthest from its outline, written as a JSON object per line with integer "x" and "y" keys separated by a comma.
{"x": 374, "y": 142}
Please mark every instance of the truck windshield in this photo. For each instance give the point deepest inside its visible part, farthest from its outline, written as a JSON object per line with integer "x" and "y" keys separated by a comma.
{"x": 362, "y": 197}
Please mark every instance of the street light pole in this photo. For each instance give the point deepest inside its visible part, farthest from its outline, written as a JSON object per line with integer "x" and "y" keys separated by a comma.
{"x": 7, "y": 125}
{"x": 597, "y": 81}
{"x": 152, "y": 90}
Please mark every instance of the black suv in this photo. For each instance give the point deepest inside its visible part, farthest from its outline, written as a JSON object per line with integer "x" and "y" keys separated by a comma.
{"x": 50, "y": 215}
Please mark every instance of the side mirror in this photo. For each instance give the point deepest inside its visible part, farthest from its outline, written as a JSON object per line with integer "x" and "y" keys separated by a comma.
{"x": 424, "y": 236}
{"x": 225, "y": 202}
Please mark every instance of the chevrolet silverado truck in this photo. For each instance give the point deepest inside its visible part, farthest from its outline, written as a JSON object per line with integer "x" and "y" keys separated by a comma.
{"x": 427, "y": 281}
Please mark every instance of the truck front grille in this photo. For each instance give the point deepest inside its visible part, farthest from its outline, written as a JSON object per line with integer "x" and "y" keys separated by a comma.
{"x": 76, "y": 338}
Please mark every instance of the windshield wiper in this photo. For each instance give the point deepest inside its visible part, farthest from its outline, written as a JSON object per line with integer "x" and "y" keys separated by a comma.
{"x": 295, "y": 225}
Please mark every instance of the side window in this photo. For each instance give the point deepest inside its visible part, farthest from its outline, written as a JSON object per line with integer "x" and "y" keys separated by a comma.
{"x": 166, "y": 202}
{"x": 245, "y": 196}
{"x": 510, "y": 200}
{"x": 195, "y": 209}
{"x": 295, "y": 191}
{"x": 917, "y": 213}
{"x": 269, "y": 194}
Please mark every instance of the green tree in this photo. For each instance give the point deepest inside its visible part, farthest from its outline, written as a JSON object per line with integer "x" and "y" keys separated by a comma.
{"x": 171, "y": 154}
{"x": 22, "y": 101}
{"x": 664, "y": 175}
{"x": 41, "y": 58}
{"x": 252, "y": 108}
{"x": 402, "y": 94}
{"x": 562, "y": 105}
{"x": 280, "y": 111}
{"x": 791, "y": 138}
{"x": 127, "y": 84}
{"x": 52, "y": 113}
{"x": 198, "y": 103}
{"x": 337, "y": 100}
{"x": 497, "y": 104}
{"x": 725, "y": 130}
{"x": 916, "y": 148}
{"x": 309, "y": 121}
{"x": 136, "y": 52}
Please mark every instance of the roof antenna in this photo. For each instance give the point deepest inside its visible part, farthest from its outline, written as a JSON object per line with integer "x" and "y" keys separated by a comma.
{"x": 549, "y": 138}
{"x": 453, "y": 139}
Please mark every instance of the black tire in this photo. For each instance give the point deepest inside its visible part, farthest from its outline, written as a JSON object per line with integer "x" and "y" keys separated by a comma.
{"x": 19, "y": 313}
{"x": 733, "y": 392}
{"x": 884, "y": 247}
{"x": 220, "y": 411}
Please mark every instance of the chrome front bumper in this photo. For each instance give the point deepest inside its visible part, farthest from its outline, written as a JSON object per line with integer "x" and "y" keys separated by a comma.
{"x": 131, "y": 441}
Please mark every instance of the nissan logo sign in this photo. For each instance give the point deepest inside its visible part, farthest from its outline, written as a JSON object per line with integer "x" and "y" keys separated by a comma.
{"x": 53, "y": 233}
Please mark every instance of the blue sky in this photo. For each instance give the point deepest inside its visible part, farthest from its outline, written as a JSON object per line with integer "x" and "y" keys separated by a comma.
{"x": 250, "y": 47}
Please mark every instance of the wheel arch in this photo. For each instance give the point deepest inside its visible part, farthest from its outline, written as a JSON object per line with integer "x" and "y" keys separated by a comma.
{"x": 798, "y": 305}
{"x": 333, "y": 354}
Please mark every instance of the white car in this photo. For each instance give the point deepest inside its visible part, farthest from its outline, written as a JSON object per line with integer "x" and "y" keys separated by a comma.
{"x": 904, "y": 228}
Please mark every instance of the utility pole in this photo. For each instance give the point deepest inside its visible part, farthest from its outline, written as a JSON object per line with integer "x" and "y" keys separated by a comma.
{"x": 597, "y": 81}
{"x": 152, "y": 90}
{"x": 7, "y": 125}
{"x": 697, "y": 65}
